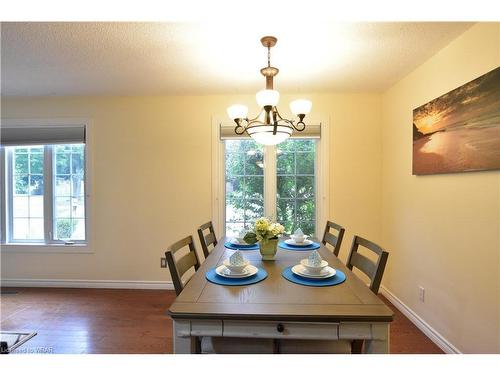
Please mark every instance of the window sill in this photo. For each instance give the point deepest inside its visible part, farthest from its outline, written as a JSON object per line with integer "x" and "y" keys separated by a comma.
{"x": 44, "y": 249}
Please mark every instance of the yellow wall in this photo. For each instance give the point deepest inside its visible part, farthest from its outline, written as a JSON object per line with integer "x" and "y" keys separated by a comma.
{"x": 152, "y": 170}
{"x": 442, "y": 231}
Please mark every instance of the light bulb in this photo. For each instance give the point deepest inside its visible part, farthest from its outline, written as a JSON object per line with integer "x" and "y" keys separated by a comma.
{"x": 237, "y": 111}
{"x": 300, "y": 107}
{"x": 267, "y": 97}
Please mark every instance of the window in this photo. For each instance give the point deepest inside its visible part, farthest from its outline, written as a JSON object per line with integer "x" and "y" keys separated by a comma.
{"x": 296, "y": 180}
{"x": 276, "y": 181}
{"x": 244, "y": 184}
{"x": 27, "y": 166}
{"x": 44, "y": 186}
{"x": 69, "y": 192}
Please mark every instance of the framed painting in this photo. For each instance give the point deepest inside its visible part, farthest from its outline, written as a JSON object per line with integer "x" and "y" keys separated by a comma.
{"x": 460, "y": 130}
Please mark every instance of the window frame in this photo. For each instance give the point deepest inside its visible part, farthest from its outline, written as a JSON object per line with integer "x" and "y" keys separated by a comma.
{"x": 9, "y": 202}
{"x": 49, "y": 244}
{"x": 218, "y": 177}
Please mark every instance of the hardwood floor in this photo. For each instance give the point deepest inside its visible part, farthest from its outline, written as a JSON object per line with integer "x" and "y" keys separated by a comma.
{"x": 116, "y": 321}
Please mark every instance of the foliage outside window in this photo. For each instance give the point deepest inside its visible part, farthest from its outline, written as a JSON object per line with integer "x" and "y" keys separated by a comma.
{"x": 244, "y": 185}
{"x": 27, "y": 191}
{"x": 295, "y": 184}
{"x": 69, "y": 198}
{"x": 41, "y": 174}
{"x": 296, "y": 197}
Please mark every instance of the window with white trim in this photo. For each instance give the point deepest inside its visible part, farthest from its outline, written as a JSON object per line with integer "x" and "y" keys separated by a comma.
{"x": 44, "y": 185}
{"x": 296, "y": 185}
{"x": 281, "y": 182}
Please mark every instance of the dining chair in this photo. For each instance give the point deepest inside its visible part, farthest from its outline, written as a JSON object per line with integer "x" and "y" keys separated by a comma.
{"x": 178, "y": 267}
{"x": 208, "y": 345}
{"x": 373, "y": 269}
{"x": 334, "y": 240}
{"x": 208, "y": 239}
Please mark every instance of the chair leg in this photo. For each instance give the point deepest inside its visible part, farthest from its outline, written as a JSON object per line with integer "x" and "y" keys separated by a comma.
{"x": 276, "y": 346}
{"x": 197, "y": 345}
{"x": 357, "y": 346}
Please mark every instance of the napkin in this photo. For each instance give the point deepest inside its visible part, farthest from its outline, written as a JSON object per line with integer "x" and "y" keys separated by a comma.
{"x": 239, "y": 238}
{"x": 237, "y": 259}
{"x": 314, "y": 259}
{"x": 299, "y": 232}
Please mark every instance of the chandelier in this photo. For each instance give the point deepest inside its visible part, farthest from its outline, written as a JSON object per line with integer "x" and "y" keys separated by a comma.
{"x": 269, "y": 127}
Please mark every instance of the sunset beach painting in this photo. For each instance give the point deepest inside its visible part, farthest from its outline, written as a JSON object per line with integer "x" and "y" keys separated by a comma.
{"x": 460, "y": 130}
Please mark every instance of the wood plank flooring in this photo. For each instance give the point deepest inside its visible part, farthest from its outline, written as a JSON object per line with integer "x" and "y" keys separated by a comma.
{"x": 113, "y": 321}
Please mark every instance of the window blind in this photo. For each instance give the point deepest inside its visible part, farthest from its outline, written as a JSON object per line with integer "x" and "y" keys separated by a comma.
{"x": 41, "y": 135}
{"x": 227, "y": 132}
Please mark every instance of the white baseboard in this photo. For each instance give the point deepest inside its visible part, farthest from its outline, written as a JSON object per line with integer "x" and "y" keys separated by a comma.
{"x": 426, "y": 329}
{"x": 111, "y": 284}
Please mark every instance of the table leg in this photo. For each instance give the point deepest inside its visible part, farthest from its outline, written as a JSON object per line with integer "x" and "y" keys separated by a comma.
{"x": 183, "y": 342}
{"x": 379, "y": 344}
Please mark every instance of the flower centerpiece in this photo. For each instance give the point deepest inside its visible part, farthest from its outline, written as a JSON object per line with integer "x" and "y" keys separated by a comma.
{"x": 266, "y": 233}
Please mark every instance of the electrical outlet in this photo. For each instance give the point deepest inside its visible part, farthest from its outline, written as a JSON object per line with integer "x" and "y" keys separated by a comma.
{"x": 163, "y": 263}
{"x": 421, "y": 293}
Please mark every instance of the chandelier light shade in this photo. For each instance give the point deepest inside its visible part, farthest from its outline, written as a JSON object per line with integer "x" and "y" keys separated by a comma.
{"x": 267, "y": 97}
{"x": 237, "y": 111}
{"x": 269, "y": 127}
{"x": 300, "y": 106}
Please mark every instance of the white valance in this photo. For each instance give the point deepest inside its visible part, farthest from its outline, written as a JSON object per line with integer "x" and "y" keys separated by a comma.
{"x": 41, "y": 135}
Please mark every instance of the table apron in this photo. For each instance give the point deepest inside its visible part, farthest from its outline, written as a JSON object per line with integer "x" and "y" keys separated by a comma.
{"x": 286, "y": 330}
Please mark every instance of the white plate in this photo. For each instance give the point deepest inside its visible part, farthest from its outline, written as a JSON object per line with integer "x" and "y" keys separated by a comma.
{"x": 325, "y": 272}
{"x": 293, "y": 243}
{"x": 223, "y": 271}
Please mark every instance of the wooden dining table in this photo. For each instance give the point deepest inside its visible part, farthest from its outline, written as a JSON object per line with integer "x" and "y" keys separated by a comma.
{"x": 276, "y": 308}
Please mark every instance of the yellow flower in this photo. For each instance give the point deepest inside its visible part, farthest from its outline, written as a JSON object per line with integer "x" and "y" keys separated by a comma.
{"x": 265, "y": 229}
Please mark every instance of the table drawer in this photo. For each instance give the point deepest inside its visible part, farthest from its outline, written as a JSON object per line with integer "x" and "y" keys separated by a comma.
{"x": 206, "y": 328}
{"x": 289, "y": 330}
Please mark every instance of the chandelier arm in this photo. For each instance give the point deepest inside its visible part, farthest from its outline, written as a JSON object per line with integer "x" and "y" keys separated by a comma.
{"x": 255, "y": 121}
{"x": 240, "y": 132}
{"x": 299, "y": 126}
{"x": 255, "y": 118}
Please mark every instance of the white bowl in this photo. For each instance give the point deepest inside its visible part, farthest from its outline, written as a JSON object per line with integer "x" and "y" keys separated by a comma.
{"x": 235, "y": 269}
{"x": 298, "y": 239}
{"x": 313, "y": 270}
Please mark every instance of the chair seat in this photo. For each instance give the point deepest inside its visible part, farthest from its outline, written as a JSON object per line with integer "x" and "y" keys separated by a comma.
{"x": 235, "y": 345}
{"x": 315, "y": 347}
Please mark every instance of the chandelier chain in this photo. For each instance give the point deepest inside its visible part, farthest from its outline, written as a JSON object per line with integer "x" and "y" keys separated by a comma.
{"x": 268, "y": 56}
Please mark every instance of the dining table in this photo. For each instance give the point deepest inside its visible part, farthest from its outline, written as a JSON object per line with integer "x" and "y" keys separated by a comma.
{"x": 276, "y": 308}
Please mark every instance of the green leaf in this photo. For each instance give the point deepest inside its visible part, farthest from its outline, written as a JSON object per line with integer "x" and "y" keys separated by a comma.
{"x": 250, "y": 238}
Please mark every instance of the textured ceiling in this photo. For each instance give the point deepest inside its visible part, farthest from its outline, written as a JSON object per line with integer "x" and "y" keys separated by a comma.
{"x": 197, "y": 59}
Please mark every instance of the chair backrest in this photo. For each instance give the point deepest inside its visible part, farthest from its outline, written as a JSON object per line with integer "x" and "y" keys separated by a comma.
{"x": 374, "y": 270}
{"x": 178, "y": 267}
{"x": 332, "y": 239}
{"x": 207, "y": 239}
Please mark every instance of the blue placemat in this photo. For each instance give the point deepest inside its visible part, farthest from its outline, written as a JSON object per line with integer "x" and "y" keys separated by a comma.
{"x": 286, "y": 246}
{"x": 212, "y": 276}
{"x": 290, "y": 276}
{"x": 231, "y": 246}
